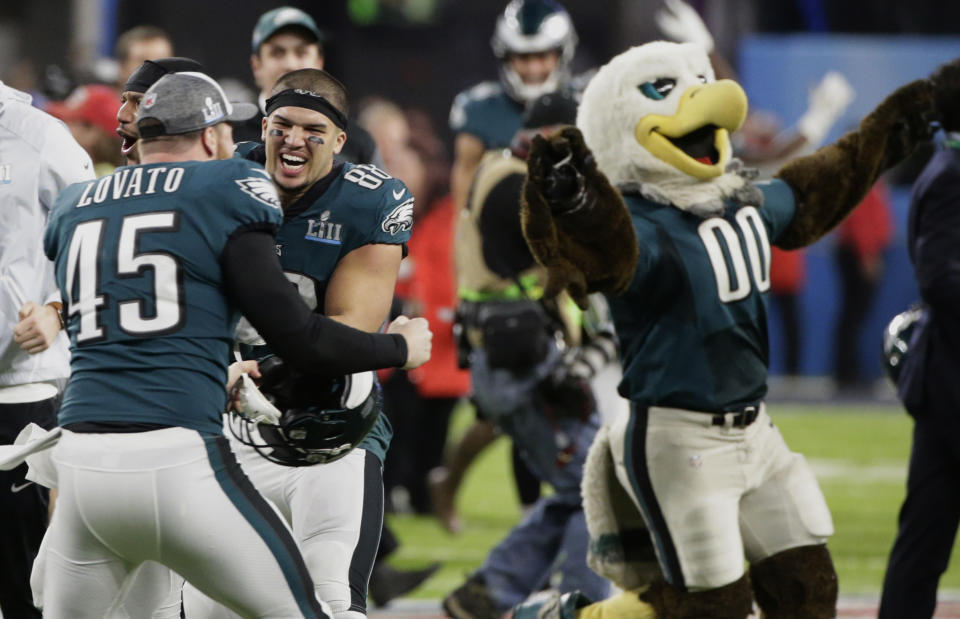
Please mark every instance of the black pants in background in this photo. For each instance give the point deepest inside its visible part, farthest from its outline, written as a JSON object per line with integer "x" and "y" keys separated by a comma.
{"x": 419, "y": 437}
{"x": 788, "y": 304}
{"x": 857, "y": 292}
{"x": 928, "y": 518}
{"x": 24, "y": 508}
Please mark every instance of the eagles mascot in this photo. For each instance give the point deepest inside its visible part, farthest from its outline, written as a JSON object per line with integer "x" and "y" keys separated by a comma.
{"x": 643, "y": 201}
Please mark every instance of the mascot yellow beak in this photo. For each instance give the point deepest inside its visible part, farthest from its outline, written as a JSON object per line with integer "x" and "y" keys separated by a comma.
{"x": 696, "y": 139}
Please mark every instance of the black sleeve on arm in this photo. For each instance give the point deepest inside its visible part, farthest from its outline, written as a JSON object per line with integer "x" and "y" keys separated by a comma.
{"x": 312, "y": 342}
{"x": 937, "y": 253}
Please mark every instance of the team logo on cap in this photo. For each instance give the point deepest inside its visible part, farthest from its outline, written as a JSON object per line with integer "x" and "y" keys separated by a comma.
{"x": 149, "y": 100}
{"x": 212, "y": 110}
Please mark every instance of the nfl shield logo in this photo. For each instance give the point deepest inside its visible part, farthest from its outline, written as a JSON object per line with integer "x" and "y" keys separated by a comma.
{"x": 149, "y": 100}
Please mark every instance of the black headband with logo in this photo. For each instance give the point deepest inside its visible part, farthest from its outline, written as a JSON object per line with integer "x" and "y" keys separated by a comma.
{"x": 297, "y": 97}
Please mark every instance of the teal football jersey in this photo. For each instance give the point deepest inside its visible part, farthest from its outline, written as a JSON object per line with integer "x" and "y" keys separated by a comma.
{"x": 693, "y": 324}
{"x": 359, "y": 205}
{"x": 137, "y": 261}
{"x": 486, "y": 112}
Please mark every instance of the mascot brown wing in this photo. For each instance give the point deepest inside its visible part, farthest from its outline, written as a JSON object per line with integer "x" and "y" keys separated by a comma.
{"x": 575, "y": 222}
{"x": 832, "y": 181}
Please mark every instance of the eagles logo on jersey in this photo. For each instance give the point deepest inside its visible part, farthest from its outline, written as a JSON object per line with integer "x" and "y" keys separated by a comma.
{"x": 261, "y": 189}
{"x": 400, "y": 219}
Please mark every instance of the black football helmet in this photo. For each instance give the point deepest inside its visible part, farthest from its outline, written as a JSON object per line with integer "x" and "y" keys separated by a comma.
{"x": 896, "y": 340}
{"x": 323, "y": 418}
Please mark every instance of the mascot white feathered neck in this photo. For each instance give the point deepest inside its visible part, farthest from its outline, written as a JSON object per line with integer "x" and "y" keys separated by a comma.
{"x": 658, "y": 122}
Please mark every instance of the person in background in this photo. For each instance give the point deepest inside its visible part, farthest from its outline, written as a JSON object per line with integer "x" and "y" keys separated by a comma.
{"x": 858, "y": 253}
{"x": 420, "y": 402}
{"x": 533, "y": 42}
{"x": 137, "y": 45}
{"x": 531, "y": 361}
{"x": 927, "y": 383}
{"x": 90, "y": 112}
{"x": 286, "y": 39}
{"x": 38, "y": 159}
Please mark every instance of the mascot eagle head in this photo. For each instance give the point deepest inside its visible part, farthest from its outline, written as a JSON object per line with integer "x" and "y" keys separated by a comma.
{"x": 658, "y": 120}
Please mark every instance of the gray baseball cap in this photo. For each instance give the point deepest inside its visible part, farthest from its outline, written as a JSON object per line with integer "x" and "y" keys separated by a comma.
{"x": 183, "y": 102}
{"x": 283, "y": 17}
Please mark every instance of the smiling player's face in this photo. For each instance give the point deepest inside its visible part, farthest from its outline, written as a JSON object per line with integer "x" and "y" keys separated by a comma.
{"x": 300, "y": 145}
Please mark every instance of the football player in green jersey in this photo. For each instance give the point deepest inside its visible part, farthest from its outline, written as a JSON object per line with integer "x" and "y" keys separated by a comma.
{"x": 344, "y": 232}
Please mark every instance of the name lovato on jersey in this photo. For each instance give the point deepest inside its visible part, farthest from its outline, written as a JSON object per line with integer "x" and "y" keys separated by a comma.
{"x": 144, "y": 181}
{"x": 130, "y": 183}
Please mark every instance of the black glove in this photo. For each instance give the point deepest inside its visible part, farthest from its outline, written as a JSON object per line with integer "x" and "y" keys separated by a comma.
{"x": 556, "y": 167}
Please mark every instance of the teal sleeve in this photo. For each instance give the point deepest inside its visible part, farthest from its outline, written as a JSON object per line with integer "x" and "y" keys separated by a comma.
{"x": 394, "y": 215}
{"x": 779, "y": 206}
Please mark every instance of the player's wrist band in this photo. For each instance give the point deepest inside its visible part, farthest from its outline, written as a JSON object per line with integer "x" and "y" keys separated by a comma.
{"x": 59, "y": 308}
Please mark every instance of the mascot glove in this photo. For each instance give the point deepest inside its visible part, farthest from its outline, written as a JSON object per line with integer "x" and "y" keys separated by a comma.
{"x": 556, "y": 168}
{"x": 826, "y": 104}
{"x": 681, "y": 22}
{"x": 252, "y": 404}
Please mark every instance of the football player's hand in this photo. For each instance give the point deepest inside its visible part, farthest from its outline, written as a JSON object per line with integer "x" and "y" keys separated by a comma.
{"x": 38, "y": 327}
{"x": 245, "y": 397}
{"x": 419, "y": 339}
{"x": 239, "y": 368}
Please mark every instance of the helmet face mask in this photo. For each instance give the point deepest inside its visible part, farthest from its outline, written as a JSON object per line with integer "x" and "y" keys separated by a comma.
{"x": 533, "y": 27}
{"x": 323, "y": 419}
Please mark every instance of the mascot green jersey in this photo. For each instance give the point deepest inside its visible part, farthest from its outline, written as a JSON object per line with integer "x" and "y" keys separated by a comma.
{"x": 689, "y": 320}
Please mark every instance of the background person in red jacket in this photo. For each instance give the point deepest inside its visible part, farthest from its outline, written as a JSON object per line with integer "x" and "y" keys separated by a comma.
{"x": 860, "y": 242}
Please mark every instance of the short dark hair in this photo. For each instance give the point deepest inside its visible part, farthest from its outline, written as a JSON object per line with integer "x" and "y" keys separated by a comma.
{"x": 946, "y": 96}
{"x": 125, "y": 41}
{"x": 317, "y": 81}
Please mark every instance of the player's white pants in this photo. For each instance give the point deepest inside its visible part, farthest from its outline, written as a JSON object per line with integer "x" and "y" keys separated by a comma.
{"x": 150, "y": 591}
{"x": 177, "y": 497}
{"x": 712, "y": 495}
{"x": 325, "y": 506}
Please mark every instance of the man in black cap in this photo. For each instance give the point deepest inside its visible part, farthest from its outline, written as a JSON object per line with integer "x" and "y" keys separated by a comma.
{"x": 286, "y": 39}
{"x": 139, "y": 81}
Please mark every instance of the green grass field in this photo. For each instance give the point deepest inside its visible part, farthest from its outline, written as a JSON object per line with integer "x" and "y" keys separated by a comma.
{"x": 858, "y": 453}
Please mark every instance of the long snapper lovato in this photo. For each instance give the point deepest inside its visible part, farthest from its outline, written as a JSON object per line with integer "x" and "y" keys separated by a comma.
{"x": 131, "y": 183}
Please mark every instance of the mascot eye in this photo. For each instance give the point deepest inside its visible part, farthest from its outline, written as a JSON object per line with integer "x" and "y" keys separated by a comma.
{"x": 702, "y": 78}
{"x": 658, "y": 89}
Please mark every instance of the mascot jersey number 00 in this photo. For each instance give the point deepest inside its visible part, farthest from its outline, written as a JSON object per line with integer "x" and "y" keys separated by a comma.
{"x": 642, "y": 200}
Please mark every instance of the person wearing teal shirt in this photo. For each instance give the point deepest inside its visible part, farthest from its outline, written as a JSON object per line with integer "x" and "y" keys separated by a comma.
{"x": 344, "y": 233}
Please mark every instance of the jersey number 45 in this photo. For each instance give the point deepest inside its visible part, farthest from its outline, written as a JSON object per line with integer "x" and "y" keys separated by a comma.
{"x": 84, "y": 273}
